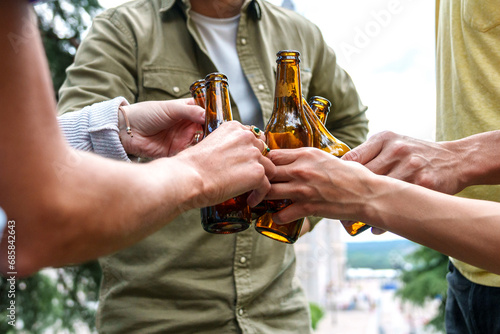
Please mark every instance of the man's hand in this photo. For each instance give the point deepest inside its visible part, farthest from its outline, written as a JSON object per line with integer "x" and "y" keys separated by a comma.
{"x": 319, "y": 184}
{"x": 229, "y": 162}
{"x": 432, "y": 165}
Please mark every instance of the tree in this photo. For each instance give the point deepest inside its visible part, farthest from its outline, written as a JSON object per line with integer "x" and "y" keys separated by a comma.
{"x": 425, "y": 280}
{"x": 59, "y": 299}
{"x": 62, "y": 23}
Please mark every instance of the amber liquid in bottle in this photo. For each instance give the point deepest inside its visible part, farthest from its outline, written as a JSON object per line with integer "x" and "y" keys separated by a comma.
{"x": 234, "y": 214}
{"x": 287, "y": 128}
{"x": 197, "y": 90}
{"x": 321, "y": 107}
{"x": 324, "y": 140}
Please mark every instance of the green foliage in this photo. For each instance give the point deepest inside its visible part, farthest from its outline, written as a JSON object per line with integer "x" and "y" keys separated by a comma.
{"x": 425, "y": 280}
{"x": 317, "y": 314}
{"x": 62, "y": 23}
{"x": 55, "y": 299}
{"x": 34, "y": 296}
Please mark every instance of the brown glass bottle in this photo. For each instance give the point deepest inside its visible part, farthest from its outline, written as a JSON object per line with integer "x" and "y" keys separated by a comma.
{"x": 197, "y": 90}
{"x": 321, "y": 107}
{"x": 287, "y": 128}
{"x": 325, "y": 141}
{"x": 234, "y": 214}
{"x": 322, "y": 138}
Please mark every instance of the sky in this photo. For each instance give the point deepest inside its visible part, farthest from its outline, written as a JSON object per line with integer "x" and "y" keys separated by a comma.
{"x": 387, "y": 47}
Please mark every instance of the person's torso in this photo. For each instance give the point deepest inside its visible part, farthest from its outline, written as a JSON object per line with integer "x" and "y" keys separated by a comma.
{"x": 468, "y": 87}
{"x": 183, "y": 279}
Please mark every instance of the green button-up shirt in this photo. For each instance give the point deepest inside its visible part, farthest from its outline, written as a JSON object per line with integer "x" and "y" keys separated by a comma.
{"x": 183, "y": 279}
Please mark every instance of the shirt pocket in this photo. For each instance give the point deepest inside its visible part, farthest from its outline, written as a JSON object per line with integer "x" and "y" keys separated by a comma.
{"x": 162, "y": 83}
{"x": 481, "y": 15}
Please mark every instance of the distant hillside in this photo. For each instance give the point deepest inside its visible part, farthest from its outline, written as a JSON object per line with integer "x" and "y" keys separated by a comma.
{"x": 378, "y": 254}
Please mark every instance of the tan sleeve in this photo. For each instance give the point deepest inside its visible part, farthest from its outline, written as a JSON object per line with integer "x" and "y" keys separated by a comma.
{"x": 104, "y": 67}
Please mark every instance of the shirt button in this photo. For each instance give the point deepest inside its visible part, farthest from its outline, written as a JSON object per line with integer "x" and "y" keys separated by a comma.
{"x": 244, "y": 41}
{"x": 260, "y": 87}
{"x": 240, "y": 311}
{"x": 176, "y": 89}
{"x": 243, "y": 259}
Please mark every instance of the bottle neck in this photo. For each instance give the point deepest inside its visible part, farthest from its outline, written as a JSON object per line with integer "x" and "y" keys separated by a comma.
{"x": 321, "y": 111}
{"x": 288, "y": 90}
{"x": 218, "y": 106}
{"x": 199, "y": 96}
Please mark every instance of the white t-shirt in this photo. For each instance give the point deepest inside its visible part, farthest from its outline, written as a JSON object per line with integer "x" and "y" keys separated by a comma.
{"x": 219, "y": 36}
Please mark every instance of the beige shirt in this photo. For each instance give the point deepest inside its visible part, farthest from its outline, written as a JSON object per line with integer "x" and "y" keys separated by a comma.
{"x": 183, "y": 279}
{"x": 468, "y": 87}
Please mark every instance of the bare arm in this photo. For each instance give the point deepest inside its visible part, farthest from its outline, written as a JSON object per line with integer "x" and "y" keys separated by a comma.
{"x": 447, "y": 167}
{"x": 466, "y": 229}
{"x": 72, "y": 206}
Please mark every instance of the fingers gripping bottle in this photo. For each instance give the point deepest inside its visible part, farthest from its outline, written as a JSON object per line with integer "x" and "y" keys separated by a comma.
{"x": 234, "y": 214}
{"x": 324, "y": 140}
{"x": 287, "y": 128}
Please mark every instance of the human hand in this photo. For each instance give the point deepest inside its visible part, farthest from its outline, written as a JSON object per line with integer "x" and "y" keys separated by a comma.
{"x": 431, "y": 165}
{"x": 319, "y": 184}
{"x": 230, "y": 162}
{"x": 160, "y": 128}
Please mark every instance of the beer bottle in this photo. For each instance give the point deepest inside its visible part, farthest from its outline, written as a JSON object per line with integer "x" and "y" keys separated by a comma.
{"x": 234, "y": 214}
{"x": 287, "y": 128}
{"x": 321, "y": 107}
{"x": 322, "y": 138}
{"x": 325, "y": 141}
{"x": 197, "y": 90}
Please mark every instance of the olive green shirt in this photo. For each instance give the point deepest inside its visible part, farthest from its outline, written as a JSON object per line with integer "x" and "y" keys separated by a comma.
{"x": 183, "y": 279}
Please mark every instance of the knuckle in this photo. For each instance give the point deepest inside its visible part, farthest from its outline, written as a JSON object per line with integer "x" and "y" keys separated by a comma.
{"x": 425, "y": 180}
{"x": 305, "y": 192}
{"x": 385, "y": 135}
{"x": 399, "y": 148}
{"x": 416, "y": 163}
{"x": 309, "y": 209}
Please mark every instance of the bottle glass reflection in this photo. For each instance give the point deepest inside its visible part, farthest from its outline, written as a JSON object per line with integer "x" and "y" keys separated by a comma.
{"x": 287, "y": 128}
{"x": 234, "y": 214}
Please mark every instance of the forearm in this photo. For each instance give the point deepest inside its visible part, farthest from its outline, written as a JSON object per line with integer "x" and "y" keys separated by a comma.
{"x": 479, "y": 162}
{"x": 466, "y": 229}
{"x": 98, "y": 208}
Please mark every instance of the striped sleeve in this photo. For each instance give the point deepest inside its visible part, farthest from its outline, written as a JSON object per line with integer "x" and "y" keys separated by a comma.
{"x": 95, "y": 129}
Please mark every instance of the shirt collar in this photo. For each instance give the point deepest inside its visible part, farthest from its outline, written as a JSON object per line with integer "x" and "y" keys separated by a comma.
{"x": 250, "y": 6}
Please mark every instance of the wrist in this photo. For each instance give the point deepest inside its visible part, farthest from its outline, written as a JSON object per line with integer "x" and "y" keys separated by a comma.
{"x": 468, "y": 158}
{"x": 181, "y": 182}
{"x": 379, "y": 204}
{"x": 124, "y": 129}
{"x": 479, "y": 158}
